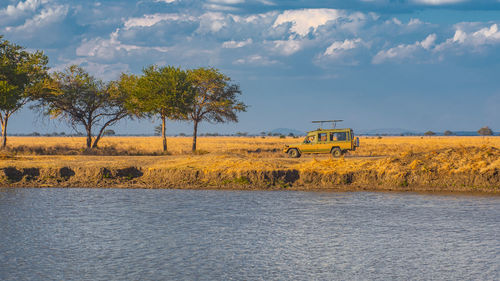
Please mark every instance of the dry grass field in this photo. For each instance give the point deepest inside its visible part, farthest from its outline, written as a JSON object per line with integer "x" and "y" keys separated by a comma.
{"x": 408, "y": 163}
{"x": 255, "y": 146}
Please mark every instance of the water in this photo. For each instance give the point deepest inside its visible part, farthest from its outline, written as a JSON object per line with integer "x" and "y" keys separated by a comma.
{"x": 114, "y": 234}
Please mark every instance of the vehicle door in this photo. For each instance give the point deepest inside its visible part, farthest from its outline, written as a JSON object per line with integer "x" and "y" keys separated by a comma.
{"x": 339, "y": 139}
{"x": 324, "y": 145}
{"x": 309, "y": 143}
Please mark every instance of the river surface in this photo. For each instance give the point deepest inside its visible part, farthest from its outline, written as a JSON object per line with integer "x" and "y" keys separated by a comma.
{"x": 138, "y": 234}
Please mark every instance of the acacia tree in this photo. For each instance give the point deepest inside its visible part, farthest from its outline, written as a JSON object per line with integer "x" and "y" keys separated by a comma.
{"x": 215, "y": 98}
{"x": 21, "y": 74}
{"x": 160, "y": 91}
{"x": 82, "y": 100}
{"x": 485, "y": 131}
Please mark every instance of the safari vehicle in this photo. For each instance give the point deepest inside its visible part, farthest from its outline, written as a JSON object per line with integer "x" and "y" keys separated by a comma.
{"x": 334, "y": 141}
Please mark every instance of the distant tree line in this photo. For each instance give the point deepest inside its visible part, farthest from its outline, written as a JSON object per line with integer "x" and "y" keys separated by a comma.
{"x": 84, "y": 101}
{"x": 484, "y": 131}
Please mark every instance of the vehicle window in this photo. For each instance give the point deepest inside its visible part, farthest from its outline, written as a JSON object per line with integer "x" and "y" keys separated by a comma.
{"x": 333, "y": 137}
{"x": 341, "y": 136}
{"x": 309, "y": 139}
{"x": 322, "y": 136}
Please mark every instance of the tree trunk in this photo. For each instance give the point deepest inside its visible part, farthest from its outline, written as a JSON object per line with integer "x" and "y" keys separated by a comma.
{"x": 195, "y": 133}
{"x": 4, "y": 132}
{"x": 164, "y": 132}
{"x": 96, "y": 141}
{"x": 89, "y": 137}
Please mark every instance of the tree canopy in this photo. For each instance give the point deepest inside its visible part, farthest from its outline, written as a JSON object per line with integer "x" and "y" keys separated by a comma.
{"x": 485, "y": 131}
{"x": 83, "y": 100}
{"x": 21, "y": 75}
{"x": 215, "y": 98}
{"x": 160, "y": 91}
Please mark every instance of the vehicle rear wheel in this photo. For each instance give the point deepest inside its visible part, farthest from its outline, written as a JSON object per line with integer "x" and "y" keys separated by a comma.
{"x": 293, "y": 153}
{"x": 336, "y": 152}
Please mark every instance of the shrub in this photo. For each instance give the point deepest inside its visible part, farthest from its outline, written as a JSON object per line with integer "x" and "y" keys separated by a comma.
{"x": 485, "y": 131}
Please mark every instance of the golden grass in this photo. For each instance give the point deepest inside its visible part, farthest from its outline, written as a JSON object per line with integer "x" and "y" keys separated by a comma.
{"x": 403, "y": 163}
{"x": 370, "y": 146}
{"x": 245, "y": 152}
{"x": 389, "y": 160}
{"x": 153, "y": 145}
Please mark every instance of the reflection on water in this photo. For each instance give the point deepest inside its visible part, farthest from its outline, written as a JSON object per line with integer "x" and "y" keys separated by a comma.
{"x": 115, "y": 234}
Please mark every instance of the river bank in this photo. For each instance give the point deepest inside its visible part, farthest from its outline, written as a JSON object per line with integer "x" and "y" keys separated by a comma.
{"x": 460, "y": 169}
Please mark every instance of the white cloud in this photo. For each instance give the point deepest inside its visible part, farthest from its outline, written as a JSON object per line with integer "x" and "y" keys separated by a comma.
{"x": 467, "y": 38}
{"x": 304, "y": 20}
{"x": 166, "y": 1}
{"x": 212, "y": 22}
{"x": 405, "y": 51}
{"x": 415, "y": 21}
{"x": 428, "y": 42}
{"x": 472, "y": 40}
{"x": 218, "y": 7}
{"x": 346, "y": 52}
{"x": 437, "y": 2}
{"x": 236, "y": 44}
{"x": 266, "y": 2}
{"x": 222, "y": 5}
{"x": 47, "y": 16}
{"x": 256, "y": 60}
{"x": 265, "y": 18}
{"x": 227, "y": 2}
{"x": 150, "y": 20}
{"x": 109, "y": 48}
{"x": 396, "y": 21}
{"x": 104, "y": 71}
{"x": 287, "y": 47}
{"x": 486, "y": 35}
{"x": 337, "y": 47}
{"x": 459, "y": 36}
{"x": 21, "y": 8}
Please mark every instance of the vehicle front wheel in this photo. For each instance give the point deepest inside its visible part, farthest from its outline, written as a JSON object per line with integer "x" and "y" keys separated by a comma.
{"x": 293, "y": 153}
{"x": 336, "y": 152}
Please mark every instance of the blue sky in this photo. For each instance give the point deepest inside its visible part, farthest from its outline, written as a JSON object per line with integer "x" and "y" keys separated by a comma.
{"x": 415, "y": 64}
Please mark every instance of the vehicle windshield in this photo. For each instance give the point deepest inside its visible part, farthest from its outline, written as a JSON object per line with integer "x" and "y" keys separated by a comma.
{"x": 309, "y": 139}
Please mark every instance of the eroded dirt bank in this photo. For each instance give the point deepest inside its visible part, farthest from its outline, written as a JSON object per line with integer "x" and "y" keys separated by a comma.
{"x": 465, "y": 169}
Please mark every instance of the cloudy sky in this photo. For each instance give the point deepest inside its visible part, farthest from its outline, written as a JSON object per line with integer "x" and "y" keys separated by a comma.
{"x": 411, "y": 64}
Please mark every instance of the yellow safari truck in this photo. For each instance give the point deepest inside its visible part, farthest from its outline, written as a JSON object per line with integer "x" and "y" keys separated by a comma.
{"x": 334, "y": 141}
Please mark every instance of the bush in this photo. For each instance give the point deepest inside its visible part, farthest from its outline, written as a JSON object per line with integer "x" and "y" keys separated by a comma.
{"x": 485, "y": 131}
{"x": 448, "y": 133}
{"x": 429, "y": 133}
{"x": 108, "y": 133}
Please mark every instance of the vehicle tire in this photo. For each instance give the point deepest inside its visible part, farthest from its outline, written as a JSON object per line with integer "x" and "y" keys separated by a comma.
{"x": 293, "y": 153}
{"x": 336, "y": 152}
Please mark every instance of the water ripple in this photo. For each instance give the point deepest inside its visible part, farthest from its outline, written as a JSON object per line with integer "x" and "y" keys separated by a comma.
{"x": 115, "y": 234}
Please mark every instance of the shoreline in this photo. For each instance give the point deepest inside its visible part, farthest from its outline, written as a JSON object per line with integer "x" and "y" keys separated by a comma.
{"x": 422, "y": 191}
{"x": 458, "y": 164}
{"x": 168, "y": 178}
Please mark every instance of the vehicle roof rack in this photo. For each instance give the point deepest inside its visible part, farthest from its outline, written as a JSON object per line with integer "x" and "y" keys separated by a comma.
{"x": 334, "y": 123}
